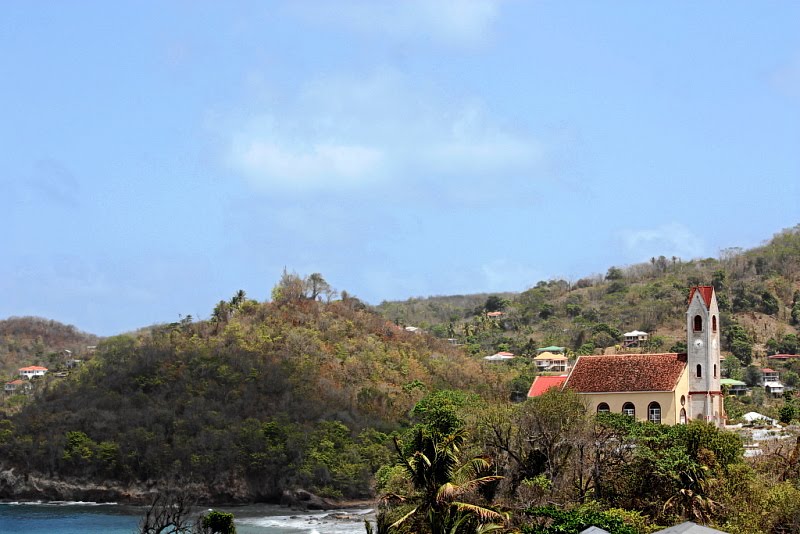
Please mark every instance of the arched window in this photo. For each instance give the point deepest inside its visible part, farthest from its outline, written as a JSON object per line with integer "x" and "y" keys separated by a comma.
{"x": 698, "y": 323}
{"x": 654, "y": 413}
{"x": 683, "y": 400}
{"x": 699, "y": 371}
{"x": 629, "y": 409}
{"x": 683, "y": 416}
{"x": 713, "y": 323}
{"x": 715, "y": 370}
{"x": 603, "y": 408}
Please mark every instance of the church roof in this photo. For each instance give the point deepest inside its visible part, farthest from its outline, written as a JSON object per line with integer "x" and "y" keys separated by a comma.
{"x": 626, "y": 372}
{"x": 705, "y": 291}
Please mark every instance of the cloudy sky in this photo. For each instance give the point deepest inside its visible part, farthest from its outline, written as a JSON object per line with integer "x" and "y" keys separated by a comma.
{"x": 157, "y": 156}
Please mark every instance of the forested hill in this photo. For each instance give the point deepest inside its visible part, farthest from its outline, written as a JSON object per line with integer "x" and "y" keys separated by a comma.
{"x": 263, "y": 397}
{"x": 35, "y": 341}
{"x": 758, "y": 292}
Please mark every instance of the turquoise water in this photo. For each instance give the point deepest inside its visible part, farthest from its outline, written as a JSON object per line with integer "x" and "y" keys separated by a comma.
{"x": 87, "y": 518}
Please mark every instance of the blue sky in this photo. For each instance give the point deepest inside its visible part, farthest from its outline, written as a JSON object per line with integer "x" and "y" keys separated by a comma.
{"x": 158, "y": 156}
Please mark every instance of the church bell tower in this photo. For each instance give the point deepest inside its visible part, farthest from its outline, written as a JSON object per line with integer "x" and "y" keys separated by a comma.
{"x": 703, "y": 356}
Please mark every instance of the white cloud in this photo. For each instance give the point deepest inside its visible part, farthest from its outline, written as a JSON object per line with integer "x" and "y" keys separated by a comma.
{"x": 343, "y": 133}
{"x": 322, "y": 165}
{"x": 456, "y": 22}
{"x": 672, "y": 239}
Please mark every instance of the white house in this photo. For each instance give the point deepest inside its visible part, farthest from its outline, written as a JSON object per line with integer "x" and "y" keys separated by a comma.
{"x": 634, "y": 338}
{"x": 32, "y": 371}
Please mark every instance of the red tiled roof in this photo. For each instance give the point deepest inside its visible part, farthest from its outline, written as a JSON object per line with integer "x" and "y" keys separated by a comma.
{"x": 17, "y": 382}
{"x": 494, "y": 314}
{"x": 767, "y": 370}
{"x": 33, "y": 368}
{"x": 543, "y": 383}
{"x": 627, "y": 372}
{"x": 783, "y": 356}
{"x": 705, "y": 291}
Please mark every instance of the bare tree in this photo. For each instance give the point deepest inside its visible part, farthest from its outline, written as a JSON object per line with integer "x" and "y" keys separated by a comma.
{"x": 169, "y": 513}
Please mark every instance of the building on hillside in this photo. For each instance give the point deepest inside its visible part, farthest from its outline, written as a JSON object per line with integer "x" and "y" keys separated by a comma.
{"x": 17, "y": 386}
{"x": 551, "y": 348}
{"x": 783, "y": 357}
{"x": 499, "y": 357}
{"x": 547, "y": 361}
{"x": 735, "y": 387}
{"x": 663, "y": 388}
{"x": 635, "y": 338}
{"x": 32, "y": 371}
{"x": 543, "y": 383}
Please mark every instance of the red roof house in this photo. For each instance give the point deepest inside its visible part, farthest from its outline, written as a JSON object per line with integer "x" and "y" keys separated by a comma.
{"x": 543, "y": 383}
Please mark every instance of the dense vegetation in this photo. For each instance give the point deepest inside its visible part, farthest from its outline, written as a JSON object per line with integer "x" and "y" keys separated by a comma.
{"x": 548, "y": 466}
{"x": 264, "y": 397}
{"x": 35, "y": 341}
{"x": 316, "y": 390}
{"x": 758, "y": 292}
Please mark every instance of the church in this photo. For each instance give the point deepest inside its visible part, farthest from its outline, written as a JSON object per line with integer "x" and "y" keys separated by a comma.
{"x": 666, "y": 388}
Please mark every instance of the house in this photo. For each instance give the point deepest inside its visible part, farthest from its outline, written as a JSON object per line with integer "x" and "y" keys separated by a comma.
{"x": 783, "y": 357}
{"x": 17, "y": 386}
{"x": 635, "y": 338}
{"x": 735, "y": 387}
{"x": 494, "y": 314}
{"x": 769, "y": 375}
{"x": 547, "y": 361}
{"x": 499, "y": 357}
{"x": 543, "y": 383}
{"x": 551, "y": 348}
{"x": 32, "y": 371}
{"x": 666, "y": 387}
{"x": 689, "y": 527}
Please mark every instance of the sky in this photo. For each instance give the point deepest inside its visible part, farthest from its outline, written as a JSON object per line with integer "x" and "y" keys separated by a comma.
{"x": 158, "y": 156}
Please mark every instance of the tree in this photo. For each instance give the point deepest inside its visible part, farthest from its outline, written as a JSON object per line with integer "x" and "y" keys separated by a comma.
{"x": 495, "y": 303}
{"x": 440, "y": 482}
{"x": 753, "y": 376}
{"x": 316, "y": 287}
{"x": 169, "y": 512}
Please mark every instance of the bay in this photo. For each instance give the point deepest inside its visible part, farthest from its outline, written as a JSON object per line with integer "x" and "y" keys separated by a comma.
{"x": 92, "y": 518}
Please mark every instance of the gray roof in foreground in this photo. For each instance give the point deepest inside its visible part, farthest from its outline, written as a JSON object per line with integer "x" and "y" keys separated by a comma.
{"x": 689, "y": 528}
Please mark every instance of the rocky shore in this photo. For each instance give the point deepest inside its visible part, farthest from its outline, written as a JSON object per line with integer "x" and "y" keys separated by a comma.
{"x": 18, "y": 486}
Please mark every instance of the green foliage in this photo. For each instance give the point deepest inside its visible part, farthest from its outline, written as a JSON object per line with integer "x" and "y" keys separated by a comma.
{"x": 551, "y": 520}
{"x": 215, "y": 522}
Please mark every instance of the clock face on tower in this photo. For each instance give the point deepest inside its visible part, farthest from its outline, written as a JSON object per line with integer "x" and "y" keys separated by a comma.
{"x": 697, "y": 344}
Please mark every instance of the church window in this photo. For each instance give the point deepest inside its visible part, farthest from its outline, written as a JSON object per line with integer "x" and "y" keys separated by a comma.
{"x": 683, "y": 400}
{"x": 629, "y": 409}
{"x": 715, "y": 370}
{"x": 698, "y": 323}
{"x": 683, "y": 416}
{"x": 699, "y": 371}
{"x": 603, "y": 408}
{"x": 654, "y": 413}
{"x": 713, "y": 323}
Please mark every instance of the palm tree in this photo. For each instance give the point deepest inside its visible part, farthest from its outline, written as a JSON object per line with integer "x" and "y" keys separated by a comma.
{"x": 441, "y": 482}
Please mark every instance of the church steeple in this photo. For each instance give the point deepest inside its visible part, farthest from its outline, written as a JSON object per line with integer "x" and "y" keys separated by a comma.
{"x": 703, "y": 356}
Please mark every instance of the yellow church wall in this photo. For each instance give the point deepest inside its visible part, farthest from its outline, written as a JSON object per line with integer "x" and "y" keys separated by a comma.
{"x": 670, "y": 401}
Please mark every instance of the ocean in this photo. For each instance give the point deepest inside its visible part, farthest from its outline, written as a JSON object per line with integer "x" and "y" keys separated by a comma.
{"x": 92, "y": 518}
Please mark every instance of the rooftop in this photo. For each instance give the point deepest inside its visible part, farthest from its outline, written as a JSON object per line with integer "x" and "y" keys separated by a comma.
{"x": 627, "y": 372}
{"x": 543, "y": 383}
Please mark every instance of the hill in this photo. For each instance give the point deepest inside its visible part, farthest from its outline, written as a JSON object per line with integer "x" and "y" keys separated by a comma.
{"x": 759, "y": 292}
{"x": 36, "y": 341}
{"x": 262, "y": 398}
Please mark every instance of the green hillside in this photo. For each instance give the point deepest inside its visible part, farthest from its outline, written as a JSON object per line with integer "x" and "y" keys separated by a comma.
{"x": 35, "y": 341}
{"x": 263, "y": 397}
{"x": 758, "y": 291}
